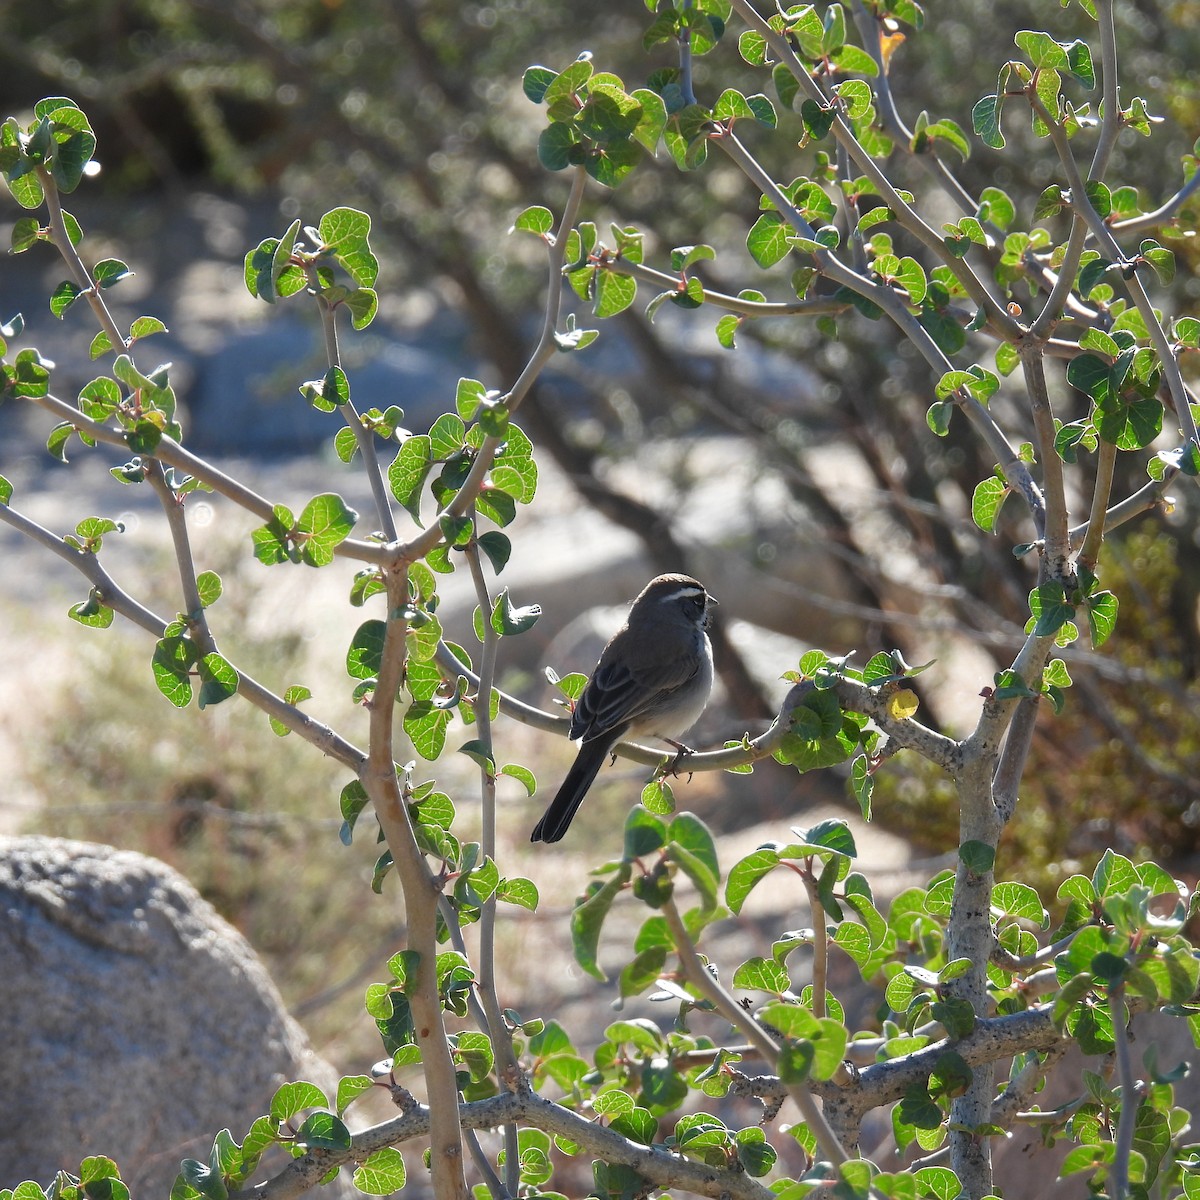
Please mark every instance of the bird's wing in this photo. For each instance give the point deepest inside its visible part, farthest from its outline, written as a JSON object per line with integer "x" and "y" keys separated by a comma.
{"x": 618, "y": 693}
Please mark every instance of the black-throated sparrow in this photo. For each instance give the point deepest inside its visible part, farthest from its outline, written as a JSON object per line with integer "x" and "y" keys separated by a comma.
{"x": 653, "y": 677}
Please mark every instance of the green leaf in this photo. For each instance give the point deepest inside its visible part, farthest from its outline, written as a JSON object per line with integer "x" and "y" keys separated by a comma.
{"x": 644, "y": 834}
{"x": 762, "y": 975}
{"x": 329, "y": 392}
{"x": 985, "y": 120}
{"x": 478, "y": 752}
{"x": 272, "y": 540}
{"x": 219, "y": 680}
{"x": 535, "y": 81}
{"x": 746, "y": 874}
{"x": 364, "y": 660}
{"x": 25, "y": 233}
{"x": 752, "y": 46}
{"x": 756, "y": 1155}
{"x": 345, "y": 232}
{"x": 74, "y": 142}
{"x": 324, "y": 1131}
{"x": 345, "y": 444}
{"x": 938, "y": 417}
{"x": 1102, "y": 617}
{"x": 1102, "y": 343}
{"x": 99, "y": 398}
{"x": 731, "y": 106}
{"x": 853, "y": 59}
{"x": 815, "y": 1047}
{"x": 1051, "y": 202}
{"x": 408, "y": 472}
{"x": 856, "y": 96}
{"x": 56, "y": 443}
{"x": 108, "y": 272}
{"x": 497, "y": 547}
{"x": 1079, "y": 63}
{"x": 496, "y": 505}
{"x": 535, "y": 219}
{"x": 1021, "y": 901}
{"x": 145, "y": 327}
{"x": 977, "y": 857}
{"x": 588, "y": 916}
{"x": 522, "y": 892}
{"x": 692, "y": 834}
{"x": 910, "y": 278}
{"x": 508, "y": 620}
{"x": 1099, "y": 196}
{"x": 203, "y": 1179}
{"x": 74, "y": 232}
{"x": 1049, "y": 605}
{"x": 91, "y": 613}
{"x": 363, "y": 304}
{"x": 352, "y": 801}
{"x": 260, "y": 274}
{"x": 523, "y": 775}
{"x": 658, "y": 797}
{"x": 727, "y": 328}
{"x": 614, "y": 293}
{"x": 276, "y": 285}
{"x": 350, "y": 1087}
{"x": 1041, "y": 49}
{"x": 294, "y": 695}
{"x": 557, "y": 147}
{"x": 767, "y": 240}
{"x": 171, "y": 664}
{"x": 63, "y": 297}
{"x": 343, "y": 228}
{"x": 30, "y": 375}
{"x": 208, "y": 584}
{"x": 642, "y": 971}
{"x": 447, "y": 435}
{"x": 986, "y": 502}
{"x": 28, "y": 1190}
{"x": 1161, "y": 259}
{"x": 696, "y": 868}
{"x": 291, "y": 1099}
{"x": 951, "y": 133}
{"x": 1130, "y": 425}
{"x": 322, "y": 526}
{"x": 829, "y": 835}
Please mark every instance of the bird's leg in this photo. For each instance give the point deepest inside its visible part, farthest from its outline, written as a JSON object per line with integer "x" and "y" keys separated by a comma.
{"x": 681, "y": 752}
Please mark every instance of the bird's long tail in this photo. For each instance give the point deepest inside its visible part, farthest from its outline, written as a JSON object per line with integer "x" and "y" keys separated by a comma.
{"x": 557, "y": 818}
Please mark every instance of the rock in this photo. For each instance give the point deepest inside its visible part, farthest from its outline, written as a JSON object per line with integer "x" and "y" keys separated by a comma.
{"x": 139, "y": 1023}
{"x": 245, "y": 396}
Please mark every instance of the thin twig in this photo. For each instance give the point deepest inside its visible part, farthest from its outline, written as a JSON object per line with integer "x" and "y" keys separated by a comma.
{"x": 1119, "y": 1175}
{"x": 708, "y": 986}
{"x": 364, "y": 438}
{"x": 1106, "y": 461}
{"x": 507, "y": 1068}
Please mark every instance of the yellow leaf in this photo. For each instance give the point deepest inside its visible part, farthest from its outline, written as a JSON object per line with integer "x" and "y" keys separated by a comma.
{"x": 890, "y": 40}
{"x": 902, "y": 704}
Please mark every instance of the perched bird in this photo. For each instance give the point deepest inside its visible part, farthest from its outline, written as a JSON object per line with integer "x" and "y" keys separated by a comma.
{"x": 653, "y": 677}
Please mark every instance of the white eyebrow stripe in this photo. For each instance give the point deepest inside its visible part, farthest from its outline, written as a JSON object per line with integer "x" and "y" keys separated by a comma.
{"x": 680, "y": 593}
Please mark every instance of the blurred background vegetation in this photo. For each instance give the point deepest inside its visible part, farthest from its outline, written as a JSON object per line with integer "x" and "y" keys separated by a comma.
{"x": 413, "y": 111}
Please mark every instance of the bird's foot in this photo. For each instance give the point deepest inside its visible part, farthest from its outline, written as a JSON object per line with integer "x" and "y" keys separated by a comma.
{"x": 681, "y": 752}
